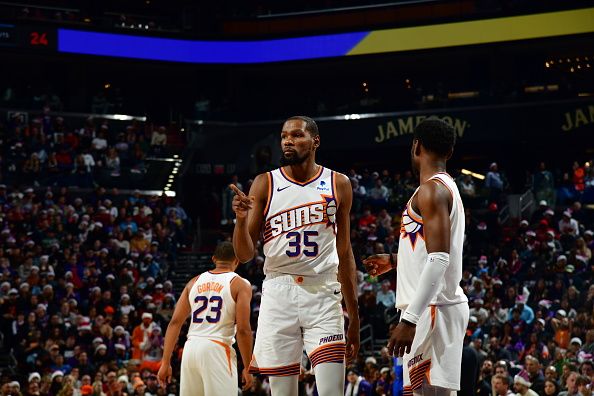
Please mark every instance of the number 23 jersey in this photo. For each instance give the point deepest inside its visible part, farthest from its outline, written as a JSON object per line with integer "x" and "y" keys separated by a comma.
{"x": 299, "y": 233}
{"x": 213, "y": 307}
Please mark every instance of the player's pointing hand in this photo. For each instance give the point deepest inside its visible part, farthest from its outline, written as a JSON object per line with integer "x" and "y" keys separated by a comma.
{"x": 241, "y": 202}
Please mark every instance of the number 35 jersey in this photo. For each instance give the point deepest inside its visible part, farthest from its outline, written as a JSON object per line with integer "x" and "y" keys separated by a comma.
{"x": 213, "y": 307}
{"x": 300, "y": 224}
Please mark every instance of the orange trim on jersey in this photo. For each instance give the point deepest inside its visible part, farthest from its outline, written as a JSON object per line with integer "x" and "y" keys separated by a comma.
{"x": 418, "y": 373}
{"x": 433, "y": 313}
{"x": 269, "y": 198}
{"x": 280, "y": 371}
{"x": 227, "y": 352}
{"x": 444, "y": 184}
{"x": 325, "y": 346}
{"x": 329, "y": 353}
{"x": 444, "y": 173}
{"x": 231, "y": 281}
{"x": 334, "y": 190}
{"x": 302, "y": 184}
{"x": 412, "y": 215}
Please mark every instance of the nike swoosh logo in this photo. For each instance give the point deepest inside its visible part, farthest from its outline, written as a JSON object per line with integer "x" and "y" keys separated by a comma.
{"x": 336, "y": 291}
{"x": 281, "y": 189}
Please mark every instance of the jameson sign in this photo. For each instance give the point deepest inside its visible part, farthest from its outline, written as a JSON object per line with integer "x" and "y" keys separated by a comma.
{"x": 499, "y": 125}
{"x": 405, "y": 125}
{"x": 473, "y": 125}
{"x": 578, "y": 117}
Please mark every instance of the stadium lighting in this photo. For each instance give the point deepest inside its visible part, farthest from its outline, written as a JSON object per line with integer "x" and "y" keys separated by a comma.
{"x": 475, "y": 175}
{"x": 169, "y": 193}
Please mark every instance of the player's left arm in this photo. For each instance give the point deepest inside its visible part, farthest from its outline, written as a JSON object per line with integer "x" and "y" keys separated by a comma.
{"x": 347, "y": 275}
{"x": 180, "y": 314}
{"x": 434, "y": 201}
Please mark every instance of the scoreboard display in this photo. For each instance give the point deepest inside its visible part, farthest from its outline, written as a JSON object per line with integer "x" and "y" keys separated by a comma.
{"x": 27, "y": 37}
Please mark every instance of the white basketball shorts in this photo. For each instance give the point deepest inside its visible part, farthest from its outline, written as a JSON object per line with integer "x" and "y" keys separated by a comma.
{"x": 209, "y": 368}
{"x": 436, "y": 352}
{"x": 298, "y": 312}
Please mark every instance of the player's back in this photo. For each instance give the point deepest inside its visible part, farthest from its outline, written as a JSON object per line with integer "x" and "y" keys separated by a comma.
{"x": 213, "y": 307}
{"x": 412, "y": 251}
{"x": 300, "y": 224}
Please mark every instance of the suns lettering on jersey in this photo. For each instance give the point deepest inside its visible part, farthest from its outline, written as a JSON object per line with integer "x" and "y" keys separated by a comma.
{"x": 320, "y": 212}
{"x": 411, "y": 227}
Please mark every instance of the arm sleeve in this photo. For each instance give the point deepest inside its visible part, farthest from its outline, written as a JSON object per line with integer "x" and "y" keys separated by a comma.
{"x": 429, "y": 284}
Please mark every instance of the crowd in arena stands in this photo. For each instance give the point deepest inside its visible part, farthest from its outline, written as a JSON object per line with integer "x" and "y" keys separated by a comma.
{"x": 84, "y": 294}
{"x": 46, "y": 150}
{"x": 529, "y": 284}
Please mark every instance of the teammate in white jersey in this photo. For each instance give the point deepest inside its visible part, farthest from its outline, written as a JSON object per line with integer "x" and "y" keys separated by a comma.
{"x": 219, "y": 304}
{"x": 301, "y": 210}
{"x": 434, "y": 308}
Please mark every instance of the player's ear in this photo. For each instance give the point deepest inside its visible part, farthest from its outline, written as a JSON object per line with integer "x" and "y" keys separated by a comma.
{"x": 316, "y": 140}
{"x": 417, "y": 147}
{"x": 213, "y": 260}
{"x": 450, "y": 154}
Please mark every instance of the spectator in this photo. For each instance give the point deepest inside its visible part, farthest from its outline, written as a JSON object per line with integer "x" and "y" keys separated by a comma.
{"x": 357, "y": 385}
{"x": 568, "y": 226}
{"x": 551, "y": 388}
{"x": 522, "y": 384}
{"x": 467, "y": 187}
{"x": 543, "y": 185}
{"x": 535, "y": 374}
{"x": 494, "y": 183}
{"x": 159, "y": 139}
{"x": 112, "y": 162}
{"x": 571, "y": 385}
{"x": 379, "y": 194}
{"x": 386, "y": 295}
{"x": 501, "y": 385}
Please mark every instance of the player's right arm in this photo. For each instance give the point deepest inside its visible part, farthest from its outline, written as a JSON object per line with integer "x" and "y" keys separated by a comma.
{"x": 242, "y": 293}
{"x": 180, "y": 314}
{"x": 249, "y": 211}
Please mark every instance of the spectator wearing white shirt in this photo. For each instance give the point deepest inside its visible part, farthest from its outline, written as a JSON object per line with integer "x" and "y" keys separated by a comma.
{"x": 379, "y": 194}
{"x": 386, "y": 295}
{"x": 569, "y": 226}
{"x": 100, "y": 142}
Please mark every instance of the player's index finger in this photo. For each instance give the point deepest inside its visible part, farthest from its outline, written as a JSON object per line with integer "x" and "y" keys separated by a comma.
{"x": 236, "y": 190}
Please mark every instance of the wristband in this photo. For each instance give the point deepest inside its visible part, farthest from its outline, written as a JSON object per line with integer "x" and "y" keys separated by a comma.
{"x": 408, "y": 323}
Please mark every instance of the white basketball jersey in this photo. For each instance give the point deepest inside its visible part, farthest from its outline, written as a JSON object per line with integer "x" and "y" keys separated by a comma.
{"x": 299, "y": 232}
{"x": 213, "y": 307}
{"x": 412, "y": 252}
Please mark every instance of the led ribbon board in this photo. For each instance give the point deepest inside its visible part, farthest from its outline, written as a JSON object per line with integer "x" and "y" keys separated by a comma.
{"x": 494, "y": 30}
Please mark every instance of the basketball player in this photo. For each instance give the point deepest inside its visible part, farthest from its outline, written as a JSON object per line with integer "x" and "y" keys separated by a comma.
{"x": 302, "y": 212}
{"x": 434, "y": 308}
{"x": 219, "y": 304}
